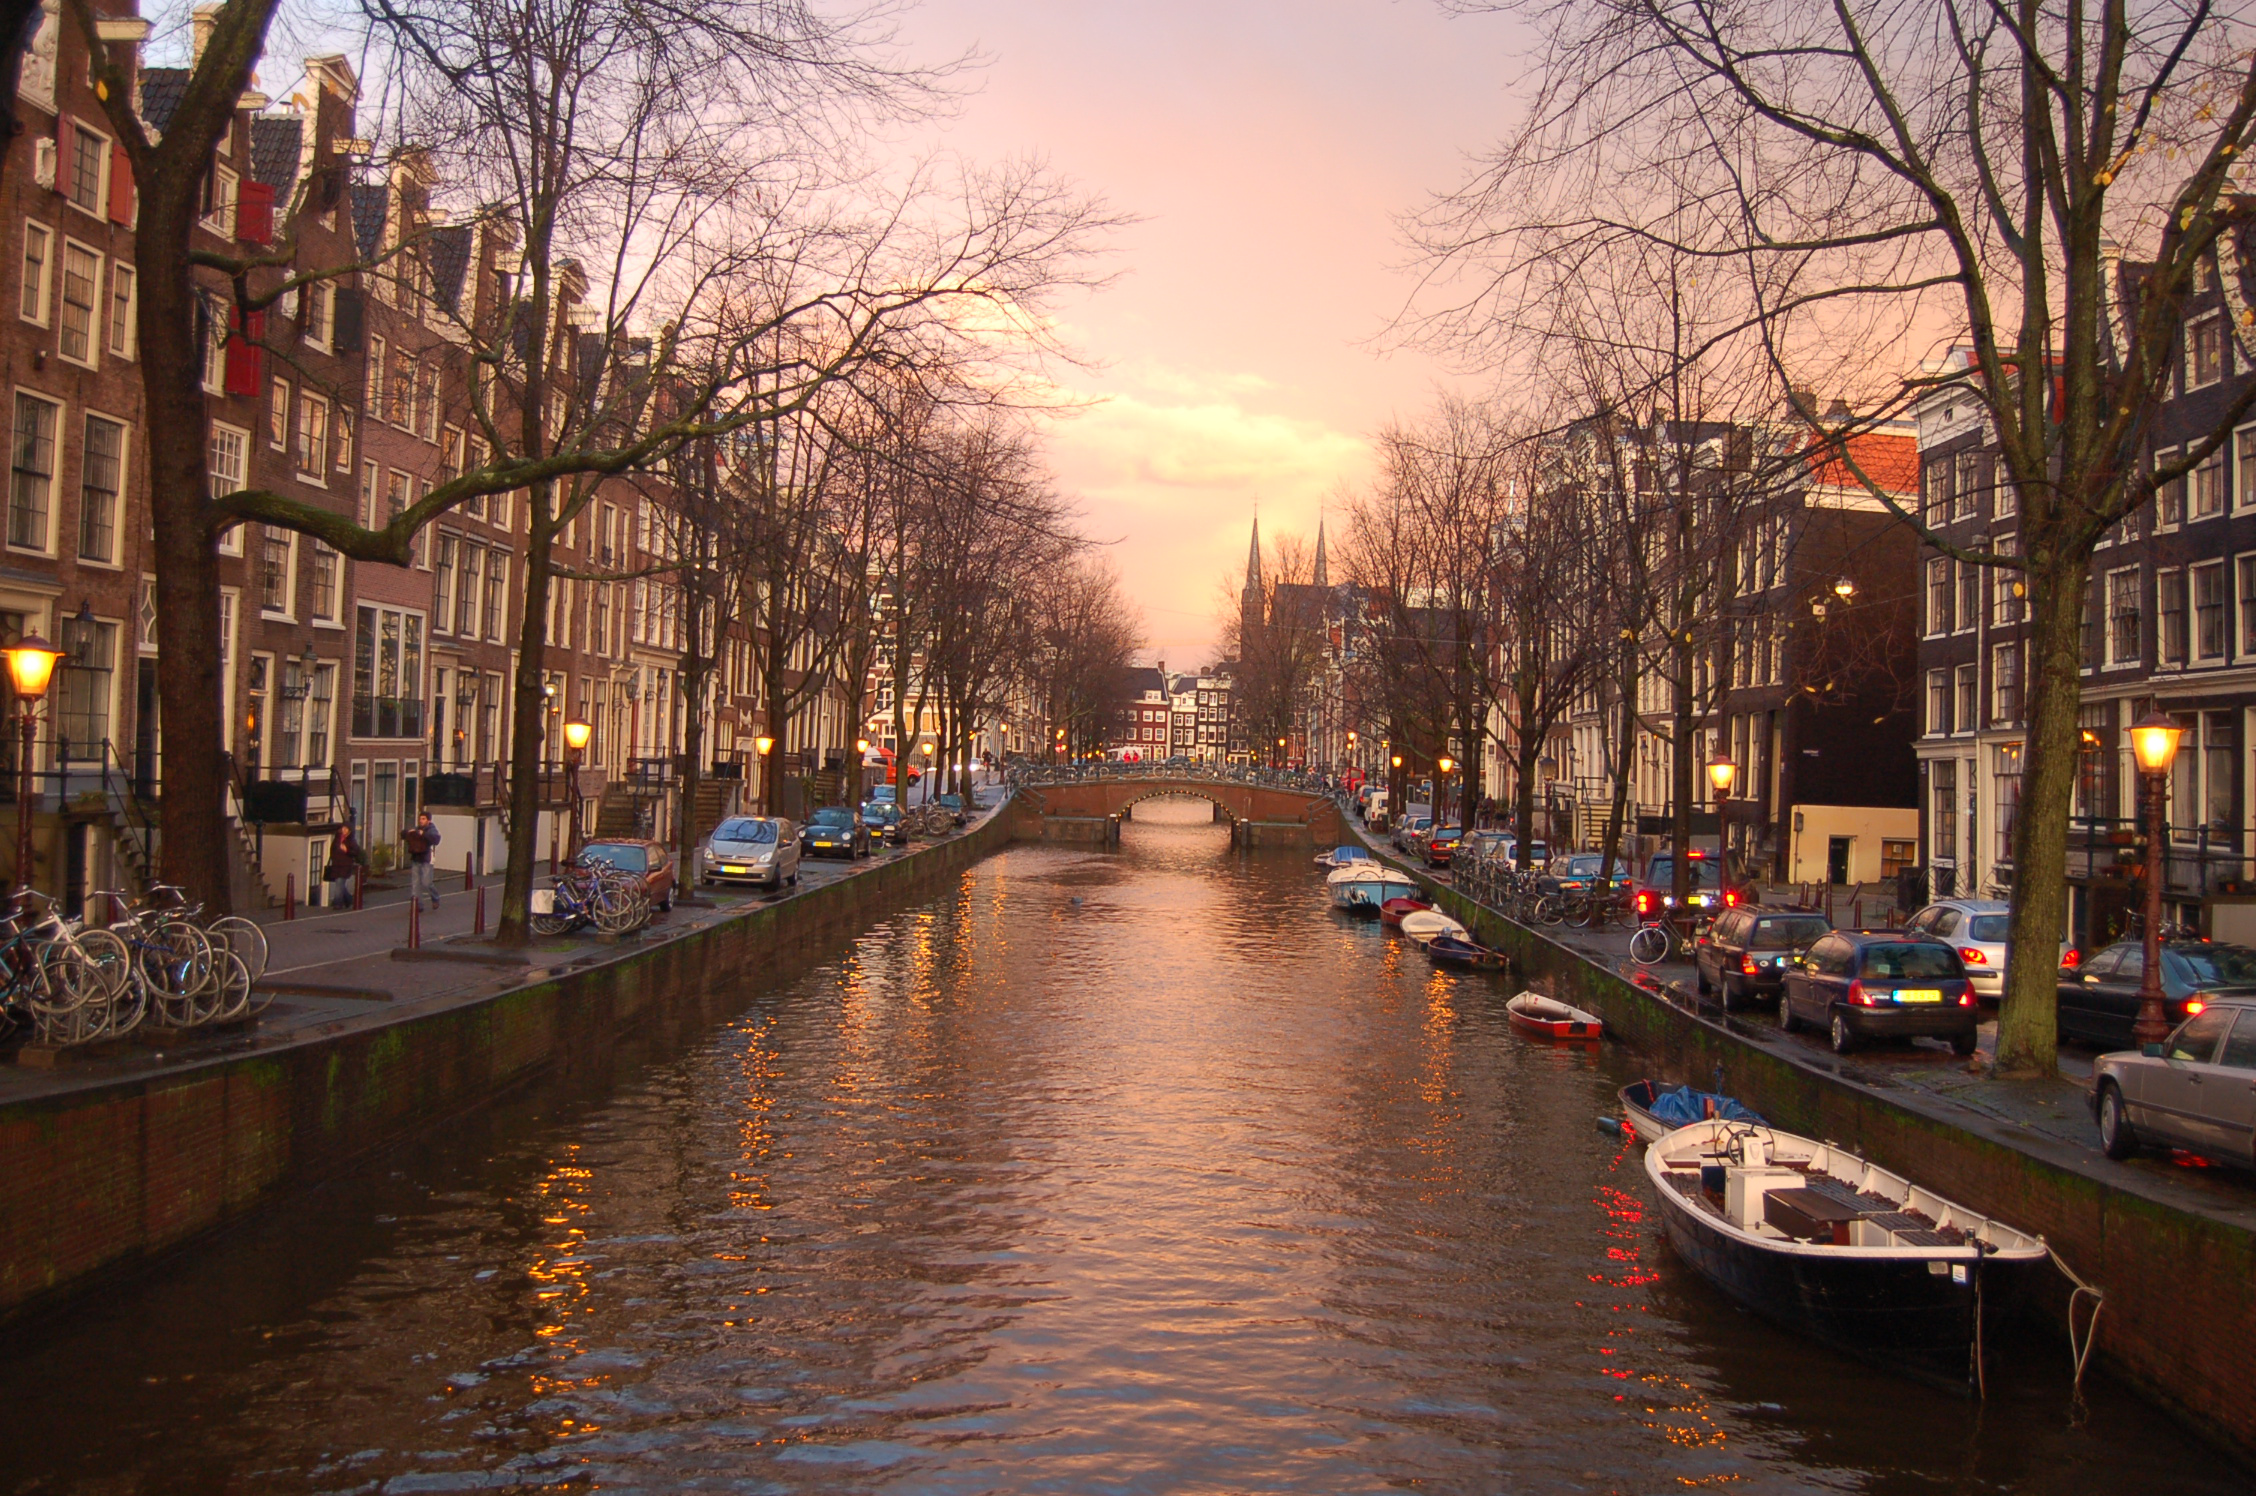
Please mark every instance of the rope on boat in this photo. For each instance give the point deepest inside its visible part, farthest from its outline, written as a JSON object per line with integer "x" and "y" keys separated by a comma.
{"x": 2079, "y": 1354}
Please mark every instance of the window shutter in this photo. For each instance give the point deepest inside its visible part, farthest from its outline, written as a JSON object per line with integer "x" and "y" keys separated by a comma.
{"x": 352, "y": 320}
{"x": 254, "y": 211}
{"x": 245, "y": 359}
{"x": 121, "y": 186}
{"x": 62, "y": 154}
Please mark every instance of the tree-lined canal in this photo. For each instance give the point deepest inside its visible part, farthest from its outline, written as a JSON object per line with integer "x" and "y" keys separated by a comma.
{"x": 1135, "y": 1172}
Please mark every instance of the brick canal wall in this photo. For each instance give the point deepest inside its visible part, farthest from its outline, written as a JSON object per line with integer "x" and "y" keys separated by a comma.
{"x": 100, "y": 1178}
{"x": 2180, "y": 1317}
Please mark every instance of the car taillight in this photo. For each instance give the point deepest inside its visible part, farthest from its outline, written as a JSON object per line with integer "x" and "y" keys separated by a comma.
{"x": 2194, "y": 1005}
{"x": 2073, "y": 958}
{"x": 1859, "y": 996}
{"x": 1645, "y": 902}
{"x": 1730, "y": 898}
{"x": 1972, "y": 955}
{"x": 1966, "y": 998}
{"x": 1749, "y": 966}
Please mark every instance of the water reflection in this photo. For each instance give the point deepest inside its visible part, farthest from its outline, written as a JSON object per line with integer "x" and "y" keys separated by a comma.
{"x": 1135, "y": 1172}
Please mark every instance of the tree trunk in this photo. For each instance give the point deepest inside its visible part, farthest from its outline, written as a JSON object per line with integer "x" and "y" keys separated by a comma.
{"x": 2028, "y": 1036}
{"x": 195, "y": 851}
{"x": 693, "y": 749}
{"x": 1680, "y": 770}
{"x": 527, "y": 722}
{"x": 1625, "y": 751}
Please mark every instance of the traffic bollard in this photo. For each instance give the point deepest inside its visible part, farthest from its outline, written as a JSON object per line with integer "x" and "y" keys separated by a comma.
{"x": 289, "y": 895}
{"x": 414, "y": 923}
{"x": 479, "y": 905}
{"x": 360, "y": 886}
{"x": 469, "y": 871}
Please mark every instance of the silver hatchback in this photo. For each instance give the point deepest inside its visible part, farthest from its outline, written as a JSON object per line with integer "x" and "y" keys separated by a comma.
{"x": 753, "y": 849}
{"x": 2195, "y": 1090}
{"x": 1975, "y": 928}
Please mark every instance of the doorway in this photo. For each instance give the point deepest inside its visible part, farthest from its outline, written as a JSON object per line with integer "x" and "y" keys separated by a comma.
{"x": 1837, "y": 859}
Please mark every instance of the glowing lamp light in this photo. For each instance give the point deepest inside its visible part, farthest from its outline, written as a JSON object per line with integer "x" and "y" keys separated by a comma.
{"x": 576, "y": 735}
{"x": 1446, "y": 764}
{"x": 31, "y": 664}
{"x": 1844, "y": 589}
{"x": 2154, "y": 739}
{"x": 927, "y": 750}
{"x": 763, "y": 742}
{"x": 862, "y": 744}
{"x": 1396, "y": 761}
{"x": 1722, "y": 773}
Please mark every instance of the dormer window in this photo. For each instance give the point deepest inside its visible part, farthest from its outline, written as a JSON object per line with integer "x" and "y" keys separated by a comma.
{"x": 2205, "y": 352}
{"x": 219, "y": 201}
{"x": 84, "y": 181}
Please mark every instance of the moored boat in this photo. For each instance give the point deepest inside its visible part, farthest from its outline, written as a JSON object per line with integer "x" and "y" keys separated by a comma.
{"x": 1344, "y": 855}
{"x": 1824, "y": 1243}
{"x": 1451, "y": 950}
{"x": 1391, "y": 912}
{"x": 1425, "y": 924}
{"x": 1553, "y": 1019}
{"x": 1362, "y": 887}
{"x": 1656, "y": 1113}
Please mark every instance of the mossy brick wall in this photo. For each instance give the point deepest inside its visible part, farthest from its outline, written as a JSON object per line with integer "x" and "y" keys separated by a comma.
{"x": 105, "y": 1177}
{"x": 2180, "y": 1317}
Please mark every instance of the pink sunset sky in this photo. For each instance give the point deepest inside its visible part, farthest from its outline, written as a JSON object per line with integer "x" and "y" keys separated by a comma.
{"x": 1267, "y": 148}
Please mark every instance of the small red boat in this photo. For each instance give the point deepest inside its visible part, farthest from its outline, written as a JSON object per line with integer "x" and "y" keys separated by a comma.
{"x": 1391, "y": 912}
{"x": 1534, "y": 1013}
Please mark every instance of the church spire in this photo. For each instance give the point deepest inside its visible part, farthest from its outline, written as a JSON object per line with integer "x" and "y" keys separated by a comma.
{"x": 1321, "y": 579}
{"x": 1253, "y": 557}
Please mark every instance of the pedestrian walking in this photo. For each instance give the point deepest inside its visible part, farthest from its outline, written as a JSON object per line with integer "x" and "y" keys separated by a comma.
{"x": 342, "y": 866}
{"x": 422, "y": 840}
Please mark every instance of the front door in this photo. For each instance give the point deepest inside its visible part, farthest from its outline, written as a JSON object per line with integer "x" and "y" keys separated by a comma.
{"x": 1837, "y": 859}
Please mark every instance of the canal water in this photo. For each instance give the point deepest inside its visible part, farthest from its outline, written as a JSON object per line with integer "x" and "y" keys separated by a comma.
{"x": 1106, "y": 1172}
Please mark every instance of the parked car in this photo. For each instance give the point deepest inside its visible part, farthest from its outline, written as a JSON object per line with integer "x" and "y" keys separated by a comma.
{"x": 1406, "y": 831}
{"x": 1747, "y": 951}
{"x": 954, "y": 806}
{"x": 654, "y": 861}
{"x": 1657, "y": 889}
{"x": 1975, "y": 928}
{"x": 1859, "y": 985}
{"x": 1440, "y": 845}
{"x": 2195, "y": 1090}
{"x": 753, "y": 849}
{"x": 2099, "y": 1000}
{"x": 883, "y": 794}
{"x": 835, "y": 831}
{"x": 883, "y": 820}
{"x": 1482, "y": 846}
{"x": 1578, "y": 871}
{"x": 1538, "y": 853}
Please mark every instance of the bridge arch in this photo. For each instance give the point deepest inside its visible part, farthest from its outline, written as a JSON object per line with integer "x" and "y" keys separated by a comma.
{"x": 1267, "y": 810}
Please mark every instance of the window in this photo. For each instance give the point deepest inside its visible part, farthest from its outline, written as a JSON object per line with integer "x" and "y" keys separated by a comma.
{"x": 342, "y": 438}
{"x": 1939, "y": 595}
{"x": 442, "y": 584}
{"x": 321, "y": 704}
{"x": 124, "y": 284}
{"x": 2205, "y": 352}
{"x": 2209, "y": 639}
{"x": 450, "y": 454}
{"x": 228, "y": 447}
{"x": 278, "y": 416}
{"x": 313, "y": 436}
{"x": 82, "y": 284}
{"x": 2247, "y": 570}
{"x": 325, "y": 568}
{"x": 1896, "y": 857}
{"x": 2006, "y": 586}
{"x": 2169, "y": 498}
{"x": 388, "y": 674}
{"x": 38, "y": 263}
{"x": 2209, "y": 486}
{"x": 470, "y": 569}
{"x": 1942, "y": 818}
{"x": 2217, "y": 755}
{"x": 2088, "y": 625}
{"x": 2123, "y": 616}
{"x": 275, "y": 551}
{"x": 101, "y": 479}
{"x": 497, "y": 585}
{"x": 2095, "y": 760}
{"x": 1969, "y": 595}
{"x": 373, "y": 401}
{"x": 2244, "y": 465}
{"x": 215, "y": 349}
{"x": 401, "y": 387}
{"x": 2005, "y": 499}
{"x": 1969, "y": 486}
{"x": 86, "y": 174}
{"x": 2006, "y": 797}
{"x": 2005, "y": 682}
{"x": 428, "y": 388}
{"x": 319, "y": 298}
{"x": 371, "y": 480}
{"x": 219, "y": 201}
{"x": 2170, "y": 617}
{"x": 1938, "y": 475}
{"x": 83, "y": 710}
{"x": 32, "y": 486}
{"x": 1938, "y": 702}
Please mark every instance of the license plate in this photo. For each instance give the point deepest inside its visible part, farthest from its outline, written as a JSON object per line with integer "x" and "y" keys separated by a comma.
{"x": 1919, "y": 995}
{"x": 544, "y": 901}
{"x": 730, "y": 867}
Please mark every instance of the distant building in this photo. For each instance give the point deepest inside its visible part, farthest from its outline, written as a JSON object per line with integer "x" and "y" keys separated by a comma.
{"x": 1143, "y": 727}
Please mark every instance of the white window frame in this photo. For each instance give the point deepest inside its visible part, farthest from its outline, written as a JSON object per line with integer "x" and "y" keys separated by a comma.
{"x": 118, "y": 517}
{"x": 104, "y": 159}
{"x": 1966, "y": 619}
{"x": 336, "y": 617}
{"x": 288, "y": 612}
{"x": 2194, "y": 574}
{"x": 96, "y": 322}
{"x": 226, "y": 186}
{"x": 41, "y": 316}
{"x": 2165, "y": 578}
{"x": 2224, "y": 353}
{"x": 318, "y": 302}
{"x": 45, "y": 546}
{"x": 2121, "y": 583}
{"x": 123, "y": 273}
{"x": 279, "y": 394}
{"x": 230, "y": 540}
{"x": 316, "y": 472}
{"x": 1966, "y": 691}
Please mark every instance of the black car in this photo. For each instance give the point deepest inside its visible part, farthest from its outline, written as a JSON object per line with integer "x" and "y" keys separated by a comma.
{"x": 882, "y": 819}
{"x": 1746, "y": 952}
{"x": 1859, "y": 985}
{"x": 835, "y": 831}
{"x": 954, "y": 806}
{"x": 2099, "y": 1000}
{"x": 1577, "y": 872}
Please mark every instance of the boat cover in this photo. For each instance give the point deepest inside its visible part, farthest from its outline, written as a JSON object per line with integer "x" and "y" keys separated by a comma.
{"x": 1685, "y": 1105}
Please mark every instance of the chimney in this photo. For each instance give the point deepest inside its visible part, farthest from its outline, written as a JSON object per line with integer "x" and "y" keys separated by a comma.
{"x": 201, "y": 24}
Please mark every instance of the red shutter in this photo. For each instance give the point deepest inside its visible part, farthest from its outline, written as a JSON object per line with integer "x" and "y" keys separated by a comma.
{"x": 63, "y": 154}
{"x": 245, "y": 359}
{"x": 121, "y": 186}
{"x": 254, "y": 212}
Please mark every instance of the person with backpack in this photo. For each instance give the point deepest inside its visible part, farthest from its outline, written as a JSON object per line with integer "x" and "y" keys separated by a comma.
{"x": 422, "y": 840}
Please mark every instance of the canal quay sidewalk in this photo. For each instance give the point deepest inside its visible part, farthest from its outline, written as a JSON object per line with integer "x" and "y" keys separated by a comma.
{"x": 332, "y": 972}
{"x": 2051, "y": 1119}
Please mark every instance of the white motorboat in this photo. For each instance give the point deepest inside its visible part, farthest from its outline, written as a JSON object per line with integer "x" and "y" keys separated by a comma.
{"x": 1425, "y": 924}
{"x": 1361, "y": 887}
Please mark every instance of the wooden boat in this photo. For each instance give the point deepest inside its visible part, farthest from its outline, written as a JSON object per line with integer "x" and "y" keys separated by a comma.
{"x": 1425, "y": 924}
{"x": 1553, "y": 1019}
{"x": 1449, "y": 950}
{"x": 1391, "y": 912}
{"x": 1824, "y": 1243}
{"x": 1344, "y": 855}
{"x": 1362, "y": 887}
{"x": 1638, "y": 1099}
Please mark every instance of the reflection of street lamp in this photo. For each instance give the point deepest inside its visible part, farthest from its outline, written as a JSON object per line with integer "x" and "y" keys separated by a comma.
{"x": 2154, "y": 741}
{"x": 576, "y": 735}
{"x": 31, "y": 664}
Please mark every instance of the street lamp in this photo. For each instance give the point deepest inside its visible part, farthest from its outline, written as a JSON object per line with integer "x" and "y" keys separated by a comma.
{"x": 926, "y": 750}
{"x": 1441, "y": 787}
{"x": 761, "y": 745}
{"x": 576, "y": 735}
{"x": 2154, "y": 741}
{"x": 31, "y": 665}
{"x": 1722, "y": 773}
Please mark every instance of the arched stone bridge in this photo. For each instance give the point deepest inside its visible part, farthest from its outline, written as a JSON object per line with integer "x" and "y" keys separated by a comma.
{"x": 1264, "y": 808}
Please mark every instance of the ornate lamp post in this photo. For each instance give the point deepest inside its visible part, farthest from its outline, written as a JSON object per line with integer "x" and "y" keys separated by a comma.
{"x": 2154, "y": 740}
{"x": 576, "y": 735}
{"x": 761, "y": 745}
{"x": 31, "y": 665}
{"x": 1441, "y": 790}
{"x": 1722, "y": 773}
{"x": 926, "y": 750}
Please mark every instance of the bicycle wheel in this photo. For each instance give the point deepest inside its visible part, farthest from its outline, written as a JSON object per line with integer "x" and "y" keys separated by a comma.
{"x": 1549, "y": 910}
{"x": 110, "y": 957}
{"x": 1649, "y": 946}
{"x": 71, "y": 1003}
{"x": 232, "y": 987}
{"x": 1579, "y": 913}
{"x": 244, "y": 938}
{"x": 549, "y": 926}
{"x": 175, "y": 962}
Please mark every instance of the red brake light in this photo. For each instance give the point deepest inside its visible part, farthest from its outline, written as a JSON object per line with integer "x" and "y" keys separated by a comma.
{"x": 2074, "y": 958}
{"x": 1859, "y": 996}
{"x": 1747, "y": 966}
{"x": 1972, "y": 955}
{"x": 1966, "y": 998}
{"x": 2194, "y": 1005}
{"x": 1731, "y": 898}
{"x": 1645, "y": 900}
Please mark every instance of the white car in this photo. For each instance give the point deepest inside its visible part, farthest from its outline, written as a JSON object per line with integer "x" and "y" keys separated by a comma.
{"x": 753, "y": 849}
{"x": 1975, "y": 928}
